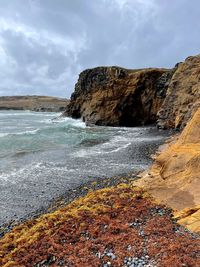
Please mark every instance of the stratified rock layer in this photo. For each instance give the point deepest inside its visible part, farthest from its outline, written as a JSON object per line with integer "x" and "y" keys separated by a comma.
{"x": 183, "y": 95}
{"x": 119, "y": 97}
{"x": 174, "y": 177}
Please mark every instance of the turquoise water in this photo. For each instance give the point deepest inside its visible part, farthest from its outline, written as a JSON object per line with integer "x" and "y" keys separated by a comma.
{"x": 43, "y": 154}
{"x": 24, "y": 131}
{"x": 35, "y": 138}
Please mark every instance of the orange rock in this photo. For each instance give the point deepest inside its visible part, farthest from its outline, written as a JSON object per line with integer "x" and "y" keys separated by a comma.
{"x": 189, "y": 218}
{"x": 174, "y": 178}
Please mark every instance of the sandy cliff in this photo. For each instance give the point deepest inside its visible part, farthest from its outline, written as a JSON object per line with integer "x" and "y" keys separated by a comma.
{"x": 119, "y": 97}
{"x": 174, "y": 178}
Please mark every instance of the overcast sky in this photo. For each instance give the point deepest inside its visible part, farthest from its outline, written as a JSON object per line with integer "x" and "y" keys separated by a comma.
{"x": 44, "y": 44}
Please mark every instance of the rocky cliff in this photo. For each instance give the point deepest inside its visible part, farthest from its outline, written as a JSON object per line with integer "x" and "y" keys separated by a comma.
{"x": 183, "y": 95}
{"x": 119, "y": 97}
{"x": 35, "y": 103}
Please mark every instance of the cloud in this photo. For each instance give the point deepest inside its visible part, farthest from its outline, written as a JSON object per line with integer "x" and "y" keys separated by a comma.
{"x": 44, "y": 44}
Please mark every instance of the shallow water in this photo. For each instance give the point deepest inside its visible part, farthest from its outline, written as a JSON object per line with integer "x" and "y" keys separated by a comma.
{"x": 42, "y": 155}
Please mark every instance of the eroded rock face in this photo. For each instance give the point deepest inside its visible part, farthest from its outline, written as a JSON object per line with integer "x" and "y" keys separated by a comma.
{"x": 174, "y": 178}
{"x": 183, "y": 95}
{"x": 119, "y": 97}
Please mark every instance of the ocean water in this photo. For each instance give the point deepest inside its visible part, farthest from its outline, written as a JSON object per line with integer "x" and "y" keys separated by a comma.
{"x": 43, "y": 154}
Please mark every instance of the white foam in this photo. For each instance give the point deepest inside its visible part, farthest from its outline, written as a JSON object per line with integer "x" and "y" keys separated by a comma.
{"x": 28, "y": 132}
{"x": 19, "y": 133}
{"x": 112, "y": 146}
{"x": 15, "y": 175}
{"x": 147, "y": 138}
{"x": 69, "y": 121}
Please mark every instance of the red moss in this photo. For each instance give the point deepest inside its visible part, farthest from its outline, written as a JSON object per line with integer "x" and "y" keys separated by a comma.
{"x": 121, "y": 219}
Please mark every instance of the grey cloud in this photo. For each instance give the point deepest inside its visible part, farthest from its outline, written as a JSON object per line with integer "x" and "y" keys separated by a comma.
{"x": 44, "y": 44}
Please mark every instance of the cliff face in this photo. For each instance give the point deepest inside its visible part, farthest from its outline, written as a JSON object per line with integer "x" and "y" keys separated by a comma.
{"x": 183, "y": 95}
{"x": 174, "y": 177}
{"x": 35, "y": 103}
{"x": 119, "y": 97}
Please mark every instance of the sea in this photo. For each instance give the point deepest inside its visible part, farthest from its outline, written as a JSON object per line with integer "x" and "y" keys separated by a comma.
{"x": 42, "y": 155}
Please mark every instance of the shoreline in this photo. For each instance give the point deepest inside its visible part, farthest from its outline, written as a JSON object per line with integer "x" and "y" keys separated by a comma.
{"x": 48, "y": 189}
{"x": 69, "y": 196}
{"x": 109, "y": 222}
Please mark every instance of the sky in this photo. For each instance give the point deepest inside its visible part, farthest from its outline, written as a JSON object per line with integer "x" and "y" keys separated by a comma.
{"x": 45, "y": 44}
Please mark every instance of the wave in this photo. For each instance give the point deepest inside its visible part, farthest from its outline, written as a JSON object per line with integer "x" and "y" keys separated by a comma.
{"x": 103, "y": 146}
{"x": 55, "y": 125}
{"x": 68, "y": 121}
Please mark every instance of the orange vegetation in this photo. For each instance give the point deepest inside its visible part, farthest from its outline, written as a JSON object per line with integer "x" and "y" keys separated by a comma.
{"x": 108, "y": 226}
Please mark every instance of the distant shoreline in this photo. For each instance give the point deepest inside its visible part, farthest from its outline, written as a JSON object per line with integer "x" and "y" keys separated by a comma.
{"x": 33, "y": 103}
